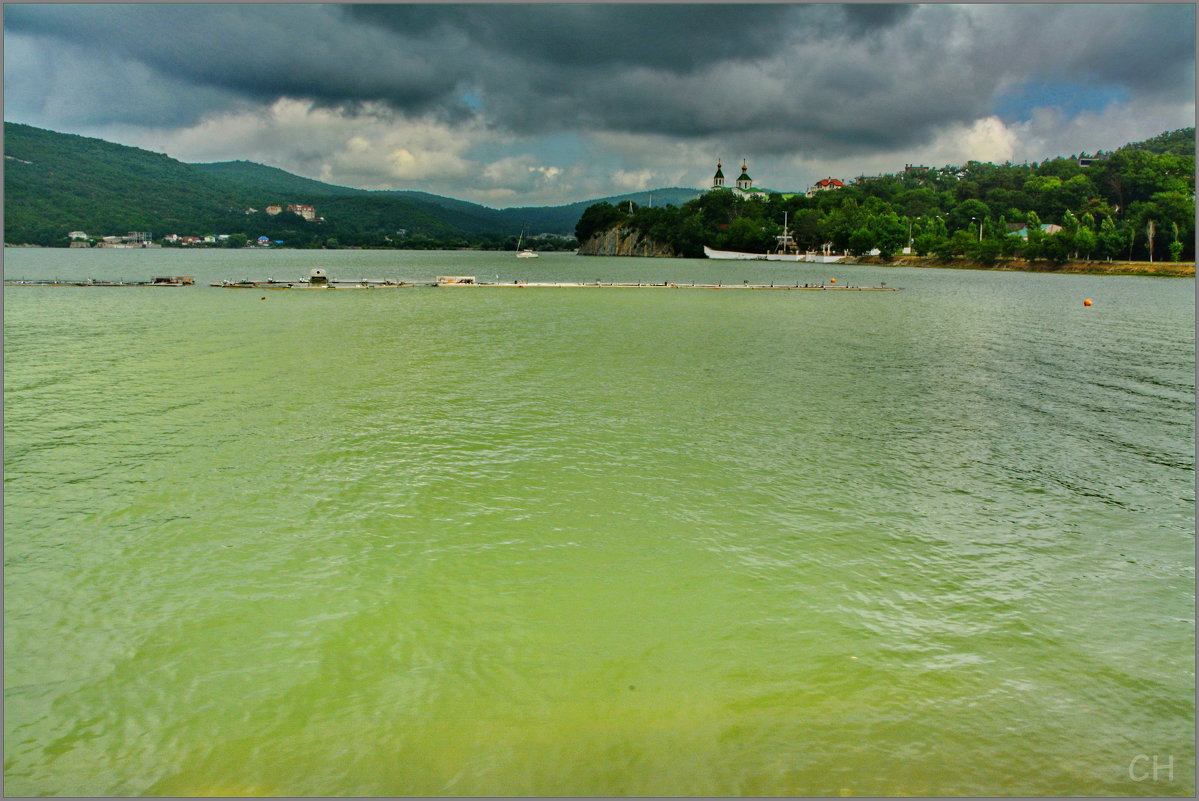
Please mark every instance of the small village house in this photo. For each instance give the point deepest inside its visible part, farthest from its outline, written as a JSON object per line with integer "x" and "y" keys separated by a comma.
{"x": 824, "y": 185}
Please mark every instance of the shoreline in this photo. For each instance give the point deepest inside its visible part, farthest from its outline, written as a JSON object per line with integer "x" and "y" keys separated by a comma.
{"x": 1161, "y": 269}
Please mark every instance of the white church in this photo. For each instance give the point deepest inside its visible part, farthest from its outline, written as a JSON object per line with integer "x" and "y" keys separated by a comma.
{"x": 744, "y": 187}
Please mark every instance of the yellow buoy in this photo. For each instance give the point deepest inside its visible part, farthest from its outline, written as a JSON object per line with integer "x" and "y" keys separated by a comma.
{"x": 1087, "y": 302}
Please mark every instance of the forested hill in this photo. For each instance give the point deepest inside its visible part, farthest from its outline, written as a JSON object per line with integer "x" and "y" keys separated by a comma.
{"x": 259, "y": 178}
{"x": 1135, "y": 203}
{"x": 56, "y": 183}
{"x": 1174, "y": 143}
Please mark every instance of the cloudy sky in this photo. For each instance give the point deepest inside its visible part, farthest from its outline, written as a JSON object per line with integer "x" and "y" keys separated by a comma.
{"x": 512, "y": 105}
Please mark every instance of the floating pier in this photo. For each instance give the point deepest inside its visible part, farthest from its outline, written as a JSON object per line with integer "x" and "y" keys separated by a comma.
{"x": 470, "y": 281}
{"x": 317, "y": 279}
{"x": 459, "y": 282}
{"x": 160, "y": 280}
{"x": 273, "y": 284}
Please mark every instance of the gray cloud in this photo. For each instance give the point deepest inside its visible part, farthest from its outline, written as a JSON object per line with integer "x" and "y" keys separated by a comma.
{"x": 787, "y": 80}
{"x": 260, "y": 52}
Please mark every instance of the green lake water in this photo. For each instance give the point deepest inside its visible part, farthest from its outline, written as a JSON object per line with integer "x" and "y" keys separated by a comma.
{"x": 595, "y": 542}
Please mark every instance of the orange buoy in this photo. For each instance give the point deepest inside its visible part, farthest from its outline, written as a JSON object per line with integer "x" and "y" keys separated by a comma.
{"x": 1087, "y": 302}
{"x": 832, "y": 280}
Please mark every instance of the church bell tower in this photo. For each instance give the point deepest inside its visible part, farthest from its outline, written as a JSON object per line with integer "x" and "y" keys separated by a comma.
{"x": 718, "y": 179}
{"x": 744, "y": 182}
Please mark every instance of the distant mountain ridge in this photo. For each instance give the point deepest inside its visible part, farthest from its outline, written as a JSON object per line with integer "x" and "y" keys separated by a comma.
{"x": 539, "y": 219}
{"x": 56, "y": 183}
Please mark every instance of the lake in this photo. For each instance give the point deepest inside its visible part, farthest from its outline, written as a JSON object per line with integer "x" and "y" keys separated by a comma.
{"x": 482, "y": 541}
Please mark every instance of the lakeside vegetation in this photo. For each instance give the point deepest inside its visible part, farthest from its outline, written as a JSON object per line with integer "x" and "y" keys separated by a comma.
{"x": 1135, "y": 203}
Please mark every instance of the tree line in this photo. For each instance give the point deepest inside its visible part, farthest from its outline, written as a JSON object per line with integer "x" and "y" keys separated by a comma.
{"x": 1133, "y": 204}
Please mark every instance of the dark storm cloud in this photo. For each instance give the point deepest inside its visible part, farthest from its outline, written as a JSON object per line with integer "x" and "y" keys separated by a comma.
{"x": 260, "y": 52}
{"x": 808, "y": 79}
{"x": 1145, "y": 48}
{"x": 867, "y": 17}
{"x": 669, "y": 37}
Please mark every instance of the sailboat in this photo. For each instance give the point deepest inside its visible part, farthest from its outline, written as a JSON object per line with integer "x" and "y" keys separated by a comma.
{"x": 526, "y": 253}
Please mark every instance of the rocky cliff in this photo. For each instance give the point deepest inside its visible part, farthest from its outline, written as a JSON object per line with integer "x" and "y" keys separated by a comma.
{"x": 624, "y": 242}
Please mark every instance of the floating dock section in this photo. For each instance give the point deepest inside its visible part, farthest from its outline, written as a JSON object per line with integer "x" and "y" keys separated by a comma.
{"x": 159, "y": 280}
{"x": 270, "y": 283}
{"x": 318, "y": 280}
{"x": 457, "y": 281}
{"x": 470, "y": 281}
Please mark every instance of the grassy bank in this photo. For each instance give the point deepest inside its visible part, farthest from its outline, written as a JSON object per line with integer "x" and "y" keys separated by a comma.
{"x": 1159, "y": 268}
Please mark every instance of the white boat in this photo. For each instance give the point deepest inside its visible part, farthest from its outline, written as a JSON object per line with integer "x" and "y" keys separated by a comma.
{"x": 525, "y": 253}
{"x": 820, "y": 258}
{"x": 741, "y": 255}
{"x": 785, "y": 251}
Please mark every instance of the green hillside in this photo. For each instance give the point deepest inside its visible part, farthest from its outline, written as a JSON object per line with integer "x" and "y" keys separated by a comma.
{"x": 1174, "y": 143}
{"x": 261, "y": 179}
{"x": 55, "y": 183}
{"x": 477, "y": 218}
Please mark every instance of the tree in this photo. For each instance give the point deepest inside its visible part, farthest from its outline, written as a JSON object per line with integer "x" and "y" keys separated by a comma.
{"x": 1085, "y": 242}
{"x": 962, "y": 244}
{"x": 861, "y": 241}
{"x": 597, "y": 217}
{"x": 987, "y": 251}
{"x": 959, "y": 218}
{"x": 1110, "y": 240}
{"x": 1150, "y": 231}
{"x": 1032, "y": 250}
{"x": 1056, "y": 247}
{"x": 747, "y": 234}
{"x": 927, "y": 243}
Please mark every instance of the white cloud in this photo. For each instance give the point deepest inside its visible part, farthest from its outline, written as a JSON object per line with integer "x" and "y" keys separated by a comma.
{"x": 1049, "y": 132}
{"x": 368, "y": 147}
{"x": 632, "y": 180}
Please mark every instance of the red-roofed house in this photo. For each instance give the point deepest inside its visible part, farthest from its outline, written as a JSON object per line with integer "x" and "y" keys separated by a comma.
{"x": 824, "y": 184}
